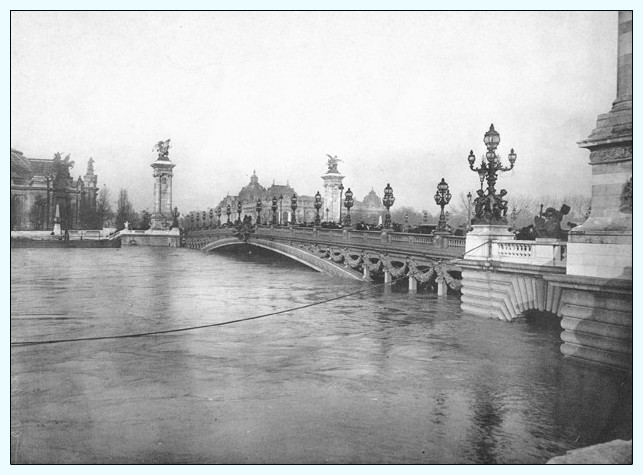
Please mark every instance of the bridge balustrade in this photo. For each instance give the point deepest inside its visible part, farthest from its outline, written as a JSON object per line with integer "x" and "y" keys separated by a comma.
{"x": 538, "y": 253}
{"x": 365, "y": 235}
{"x": 449, "y": 245}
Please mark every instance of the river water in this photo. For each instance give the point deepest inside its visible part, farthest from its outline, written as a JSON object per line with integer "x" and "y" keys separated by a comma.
{"x": 382, "y": 376}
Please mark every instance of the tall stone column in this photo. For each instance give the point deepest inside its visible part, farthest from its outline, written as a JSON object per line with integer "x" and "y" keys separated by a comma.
{"x": 602, "y": 246}
{"x": 331, "y": 196}
{"x": 162, "y": 216}
{"x": 332, "y": 199}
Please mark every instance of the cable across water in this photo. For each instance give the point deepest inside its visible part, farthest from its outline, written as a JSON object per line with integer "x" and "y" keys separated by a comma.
{"x": 229, "y": 322}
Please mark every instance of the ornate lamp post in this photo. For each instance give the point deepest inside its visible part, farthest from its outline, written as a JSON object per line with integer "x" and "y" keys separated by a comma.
{"x": 191, "y": 220}
{"x": 388, "y": 201}
{"x": 274, "y": 210}
{"x": 491, "y": 208}
{"x": 318, "y": 205}
{"x": 198, "y": 219}
{"x": 293, "y": 206}
{"x": 442, "y": 198}
{"x": 327, "y": 214}
{"x": 348, "y": 202}
{"x": 239, "y": 209}
{"x": 468, "y": 211}
{"x": 258, "y": 210}
{"x": 341, "y": 192}
{"x": 211, "y": 218}
{"x": 218, "y": 212}
{"x": 281, "y": 216}
{"x": 406, "y": 220}
{"x": 204, "y": 215}
{"x": 228, "y": 211}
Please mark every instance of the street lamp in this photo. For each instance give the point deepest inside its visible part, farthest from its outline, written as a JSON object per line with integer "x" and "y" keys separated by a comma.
{"x": 191, "y": 220}
{"x": 318, "y": 205}
{"x": 218, "y": 216}
{"x": 198, "y": 218}
{"x": 442, "y": 198}
{"x": 468, "y": 211}
{"x": 341, "y": 191}
{"x": 493, "y": 207}
{"x": 388, "y": 201}
{"x": 204, "y": 220}
{"x": 274, "y": 210}
{"x": 327, "y": 214}
{"x": 258, "y": 210}
{"x": 211, "y": 217}
{"x": 239, "y": 209}
{"x": 348, "y": 202}
{"x": 281, "y": 215}
{"x": 228, "y": 212}
{"x": 293, "y": 206}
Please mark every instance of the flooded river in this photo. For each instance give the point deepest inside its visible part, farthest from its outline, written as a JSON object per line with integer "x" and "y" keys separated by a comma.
{"x": 381, "y": 376}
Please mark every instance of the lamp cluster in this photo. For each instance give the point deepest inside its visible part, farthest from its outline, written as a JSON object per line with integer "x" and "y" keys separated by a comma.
{"x": 491, "y": 207}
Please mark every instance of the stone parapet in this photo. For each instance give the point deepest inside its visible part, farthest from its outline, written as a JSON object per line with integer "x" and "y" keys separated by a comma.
{"x": 151, "y": 237}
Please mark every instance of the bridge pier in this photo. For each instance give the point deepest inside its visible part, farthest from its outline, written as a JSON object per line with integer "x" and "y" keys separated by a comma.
{"x": 413, "y": 285}
{"x": 388, "y": 278}
{"x": 442, "y": 288}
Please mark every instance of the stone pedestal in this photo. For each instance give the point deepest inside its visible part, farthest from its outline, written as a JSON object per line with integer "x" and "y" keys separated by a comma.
{"x": 332, "y": 199}
{"x": 602, "y": 246}
{"x": 478, "y": 242}
{"x": 151, "y": 237}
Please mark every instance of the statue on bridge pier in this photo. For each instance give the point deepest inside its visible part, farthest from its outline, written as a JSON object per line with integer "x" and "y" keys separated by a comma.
{"x": 163, "y": 148}
{"x": 547, "y": 225}
{"x": 332, "y": 163}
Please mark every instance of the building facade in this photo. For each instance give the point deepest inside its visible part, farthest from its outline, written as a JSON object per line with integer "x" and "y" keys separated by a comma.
{"x": 38, "y": 185}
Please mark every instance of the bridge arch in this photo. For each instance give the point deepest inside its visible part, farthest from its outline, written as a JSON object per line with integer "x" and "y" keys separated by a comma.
{"x": 292, "y": 252}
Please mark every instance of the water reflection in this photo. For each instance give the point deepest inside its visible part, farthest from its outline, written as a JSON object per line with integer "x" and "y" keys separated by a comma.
{"x": 380, "y": 377}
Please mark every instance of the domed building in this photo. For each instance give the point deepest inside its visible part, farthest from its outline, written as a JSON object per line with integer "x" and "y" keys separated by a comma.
{"x": 252, "y": 191}
{"x": 369, "y": 210}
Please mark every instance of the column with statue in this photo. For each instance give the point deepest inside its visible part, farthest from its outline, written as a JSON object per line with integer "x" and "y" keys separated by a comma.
{"x": 162, "y": 216}
{"x": 332, "y": 195}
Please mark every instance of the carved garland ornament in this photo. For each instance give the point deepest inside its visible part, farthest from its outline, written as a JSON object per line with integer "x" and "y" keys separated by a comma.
{"x": 354, "y": 263}
{"x": 336, "y": 256}
{"x": 419, "y": 275}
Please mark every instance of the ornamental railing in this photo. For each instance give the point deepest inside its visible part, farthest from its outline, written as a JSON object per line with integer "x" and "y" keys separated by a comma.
{"x": 538, "y": 253}
{"x": 384, "y": 240}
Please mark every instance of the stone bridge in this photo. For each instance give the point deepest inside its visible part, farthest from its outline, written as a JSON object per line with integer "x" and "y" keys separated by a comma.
{"x": 353, "y": 254}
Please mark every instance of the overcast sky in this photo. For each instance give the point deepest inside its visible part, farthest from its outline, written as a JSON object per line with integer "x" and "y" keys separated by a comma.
{"x": 400, "y": 97}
